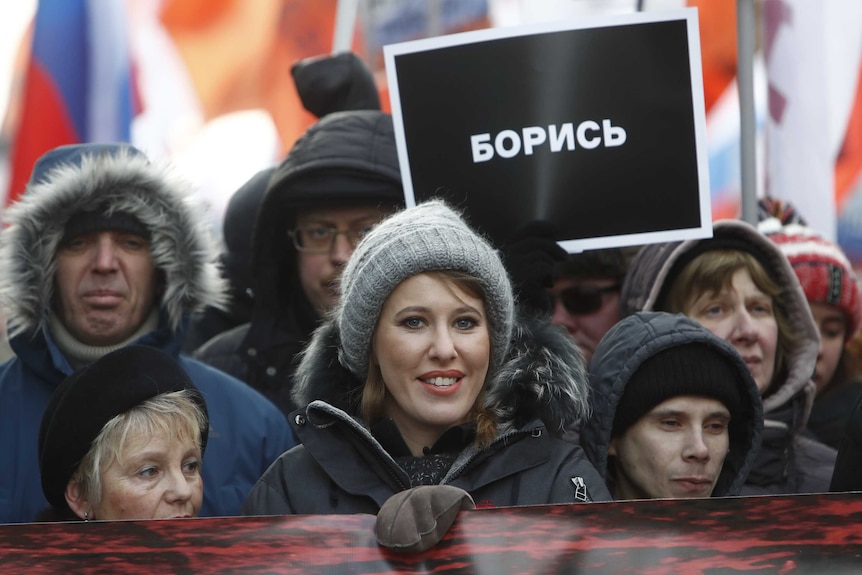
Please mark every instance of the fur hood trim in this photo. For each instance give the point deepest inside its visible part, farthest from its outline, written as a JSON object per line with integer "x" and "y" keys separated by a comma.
{"x": 543, "y": 377}
{"x": 121, "y": 177}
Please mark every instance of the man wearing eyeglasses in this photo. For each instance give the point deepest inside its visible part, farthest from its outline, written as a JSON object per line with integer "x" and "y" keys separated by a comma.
{"x": 340, "y": 179}
{"x": 586, "y": 294}
{"x": 325, "y": 239}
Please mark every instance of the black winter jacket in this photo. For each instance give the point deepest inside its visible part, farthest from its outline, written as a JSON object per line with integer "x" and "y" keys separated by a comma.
{"x": 848, "y": 466}
{"x": 235, "y": 264}
{"x": 341, "y": 468}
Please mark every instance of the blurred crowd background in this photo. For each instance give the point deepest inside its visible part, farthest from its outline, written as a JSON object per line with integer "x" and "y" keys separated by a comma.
{"x": 206, "y": 83}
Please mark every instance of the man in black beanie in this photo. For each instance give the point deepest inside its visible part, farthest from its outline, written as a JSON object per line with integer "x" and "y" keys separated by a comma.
{"x": 675, "y": 411}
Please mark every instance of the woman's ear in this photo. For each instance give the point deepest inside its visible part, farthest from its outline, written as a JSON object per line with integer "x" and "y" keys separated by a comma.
{"x": 77, "y": 501}
{"x": 612, "y": 447}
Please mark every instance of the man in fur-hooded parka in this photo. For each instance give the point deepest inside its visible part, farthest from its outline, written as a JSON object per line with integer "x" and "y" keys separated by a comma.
{"x": 81, "y": 192}
{"x": 788, "y": 461}
{"x": 535, "y": 387}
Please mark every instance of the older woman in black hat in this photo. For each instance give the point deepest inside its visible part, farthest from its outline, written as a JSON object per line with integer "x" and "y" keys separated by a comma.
{"x": 123, "y": 439}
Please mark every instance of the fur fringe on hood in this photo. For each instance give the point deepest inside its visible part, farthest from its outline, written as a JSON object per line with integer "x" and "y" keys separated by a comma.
{"x": 543, "y": 377}
{"x": 122, "y": 177}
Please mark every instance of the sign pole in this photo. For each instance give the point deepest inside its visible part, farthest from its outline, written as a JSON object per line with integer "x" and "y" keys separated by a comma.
{"x": 345, "y": 20}
{"x": 745, "y": 76}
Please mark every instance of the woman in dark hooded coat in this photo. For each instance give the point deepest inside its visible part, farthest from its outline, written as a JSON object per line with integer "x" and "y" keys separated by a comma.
{"x": 423, "y": 376}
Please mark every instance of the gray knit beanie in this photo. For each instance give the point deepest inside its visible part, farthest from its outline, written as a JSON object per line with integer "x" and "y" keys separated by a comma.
{"x": 427, "y": 237}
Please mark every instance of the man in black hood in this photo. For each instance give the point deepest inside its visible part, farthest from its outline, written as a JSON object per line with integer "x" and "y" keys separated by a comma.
{"x": 325, "y": 84}
{"x": 674, "y": 411}
{"x": 340, "y": 178}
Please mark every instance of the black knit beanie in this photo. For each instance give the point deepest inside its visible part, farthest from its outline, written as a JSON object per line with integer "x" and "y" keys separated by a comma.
{"x": 690, "y": 369}
{"x": 92, "y": 396}
{"x": 103, "y": 220}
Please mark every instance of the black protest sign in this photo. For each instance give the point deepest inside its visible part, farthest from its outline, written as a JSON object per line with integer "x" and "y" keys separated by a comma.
{"x": 596, "y": 125}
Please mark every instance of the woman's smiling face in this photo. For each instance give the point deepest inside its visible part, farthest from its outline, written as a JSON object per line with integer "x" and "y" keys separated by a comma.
{"x": 433, "y": 349}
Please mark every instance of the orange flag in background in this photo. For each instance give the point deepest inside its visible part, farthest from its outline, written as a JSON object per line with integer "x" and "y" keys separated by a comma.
{"x": 239, "y": 53}
{"x": 717, "y": 19}
{"x": 848, "y": 165}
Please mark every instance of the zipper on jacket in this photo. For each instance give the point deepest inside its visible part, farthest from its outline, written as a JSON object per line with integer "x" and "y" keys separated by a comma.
{"x": 580, "y": 489}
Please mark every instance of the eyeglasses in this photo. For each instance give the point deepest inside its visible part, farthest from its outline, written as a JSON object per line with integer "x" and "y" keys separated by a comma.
{"x": 584, "y": 299}
{"x": 317, "y": 239}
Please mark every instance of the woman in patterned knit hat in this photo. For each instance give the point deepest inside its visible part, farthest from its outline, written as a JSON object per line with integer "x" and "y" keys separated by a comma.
{"x": 831, "y": 288}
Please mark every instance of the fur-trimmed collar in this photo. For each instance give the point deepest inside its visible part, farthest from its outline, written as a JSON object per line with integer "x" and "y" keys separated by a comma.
{"x": 543, "y": 377}
{"x": 122, "y": 177}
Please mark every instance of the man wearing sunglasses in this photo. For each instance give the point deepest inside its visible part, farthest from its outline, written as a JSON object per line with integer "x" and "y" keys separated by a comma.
{"x": 586, "y": 294}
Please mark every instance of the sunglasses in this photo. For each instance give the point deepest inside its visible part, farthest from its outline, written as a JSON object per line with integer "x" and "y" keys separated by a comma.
{"x": 584, "y": 300}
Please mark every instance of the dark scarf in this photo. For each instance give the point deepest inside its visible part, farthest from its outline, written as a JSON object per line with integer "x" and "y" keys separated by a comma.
{"x": 431, "y": 467}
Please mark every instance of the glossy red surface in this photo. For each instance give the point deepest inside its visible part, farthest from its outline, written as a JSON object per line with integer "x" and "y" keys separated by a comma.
{"x": 787, "y": 534}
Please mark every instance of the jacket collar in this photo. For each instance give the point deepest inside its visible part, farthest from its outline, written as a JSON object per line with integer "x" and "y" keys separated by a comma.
{"x": 367, "y": 469}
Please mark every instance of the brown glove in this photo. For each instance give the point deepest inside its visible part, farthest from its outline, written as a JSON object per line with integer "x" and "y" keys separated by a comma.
{"x": 416, "y": 519}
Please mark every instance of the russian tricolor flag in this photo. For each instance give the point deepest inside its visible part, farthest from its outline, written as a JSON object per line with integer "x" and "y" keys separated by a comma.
{"x": 78, "y": 85}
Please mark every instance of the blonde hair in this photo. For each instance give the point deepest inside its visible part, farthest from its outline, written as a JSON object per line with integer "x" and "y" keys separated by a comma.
{"x": 175, "y": 414}
{"x": 374, "y": 392}
{"x": 711, "y": 272}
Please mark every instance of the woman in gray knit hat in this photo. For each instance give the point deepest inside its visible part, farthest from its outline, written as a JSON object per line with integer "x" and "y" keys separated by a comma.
{"x": 424, "y": 375}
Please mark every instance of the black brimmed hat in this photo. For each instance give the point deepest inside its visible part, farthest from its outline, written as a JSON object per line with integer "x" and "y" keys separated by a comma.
{"x": 89, "y": 398}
